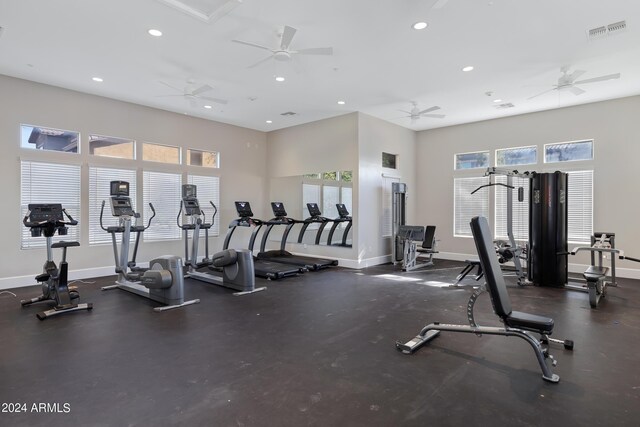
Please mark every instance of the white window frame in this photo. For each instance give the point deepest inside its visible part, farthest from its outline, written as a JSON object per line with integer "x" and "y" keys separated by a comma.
{"x": 65, "y": 191}
{"x": 535, "y": 162}
{"x": 593, "y": 151}
{"x": 455, "y": 160}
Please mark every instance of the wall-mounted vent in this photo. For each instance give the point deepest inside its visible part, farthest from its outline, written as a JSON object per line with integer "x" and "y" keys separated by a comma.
{"x": 205, "y": 10}
{"x": 288, "y": 113}
{"x": 607, "y": 30}
{"x": 505, "y": 105}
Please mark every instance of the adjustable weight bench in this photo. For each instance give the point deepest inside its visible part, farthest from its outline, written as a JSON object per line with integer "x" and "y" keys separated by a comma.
{"x": 516, "y": 324}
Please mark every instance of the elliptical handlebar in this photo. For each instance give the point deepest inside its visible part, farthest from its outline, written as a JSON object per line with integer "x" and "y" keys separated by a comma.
{"x": 101, "y": 213}
{"x": 178, "y": 217}
{"x": 54, "y": 222}
{"x": 215, "y": 211}
{"x": 152, "y": 216}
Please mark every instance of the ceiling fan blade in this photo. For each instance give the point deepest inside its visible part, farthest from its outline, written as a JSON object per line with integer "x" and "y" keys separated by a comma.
{"x": 201, "y": 89}
{"x": 405, "y": 111}
{"x": 259, "y": 46}
{"x": 315, "y": 51}
{"x": 546, "y": 91}
{"x": 576, "y": 74}
{"x": 216, "y": 100}
{"x": 598, "y": 79}
{"x": 170, "y": 86}
{"x": 576, "y": 90}
{"x": 260, "y": 62}
{"x": 434, "y": 116}
{"x": 428, "y": 110}
{"x": 166, "y": 96}
{"x": 287, "y": 36}
{"x": 439, "y": 4}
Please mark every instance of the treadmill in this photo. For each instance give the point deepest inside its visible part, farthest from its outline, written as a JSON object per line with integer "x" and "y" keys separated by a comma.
{"x": 263, "y": 268}
{"x": 315, "y": 217}
{"x": 281, "y": 255}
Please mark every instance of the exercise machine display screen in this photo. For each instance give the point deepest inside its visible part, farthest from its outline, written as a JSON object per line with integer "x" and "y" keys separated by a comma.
{"x": 45, "y": 212}
{"x": 191, "y": 207}
{"x": 189, "y": 191}
{"x": 314, "y": 210}
{"x": 121, "y": 206}
{"x": 119, "y": 188}
{"x": 342, "y": 210}
{"x": 278, "y": 209}
{"x": 244, "y": 209}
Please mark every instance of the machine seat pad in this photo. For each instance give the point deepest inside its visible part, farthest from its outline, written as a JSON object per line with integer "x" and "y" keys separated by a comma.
{"x": 63, "y": 244}
{"x": 224, "y": 258}
{"x": 426, "y": 251}
{"x": 531, "y": 322}
{"x": 593, "y": 273}
{"x": 472, "y": 261}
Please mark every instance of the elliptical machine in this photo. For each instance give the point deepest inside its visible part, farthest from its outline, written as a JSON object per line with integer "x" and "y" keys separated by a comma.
{"x": 237, "y": 265}
{"x": 49, "y": 219}
{"x": 163, "y": 281}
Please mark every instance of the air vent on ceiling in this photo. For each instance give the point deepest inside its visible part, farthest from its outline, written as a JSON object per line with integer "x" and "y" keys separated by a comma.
{"x": 288, "y": 113}
{"x": 606, "y": 30}
{"x": 204, "y": 10}
{"x": 505, "y": 105}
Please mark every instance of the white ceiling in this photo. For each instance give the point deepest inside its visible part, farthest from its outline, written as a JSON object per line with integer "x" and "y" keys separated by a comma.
{"x": 380, "y": 64}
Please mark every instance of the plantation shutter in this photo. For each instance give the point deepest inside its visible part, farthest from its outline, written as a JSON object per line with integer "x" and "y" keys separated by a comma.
{"x": 520, "y": 209}
{"x": 208, "y": 191}
{"x": 580, "y": 206}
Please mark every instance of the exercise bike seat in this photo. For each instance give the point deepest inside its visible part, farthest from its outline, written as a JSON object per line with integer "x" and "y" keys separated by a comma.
{"x": 63, "y": 244}
{"x": 593, "y": 273}
{"x": 531, "y": 322}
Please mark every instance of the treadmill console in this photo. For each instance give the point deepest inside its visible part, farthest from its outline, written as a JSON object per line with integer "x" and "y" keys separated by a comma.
{"x": 45, "y": 212}
{"x": 342, "y": 210}
{"x": 278, "y": 209}
{"x": 244, "y": 209}
{"x": 314, "y": 210}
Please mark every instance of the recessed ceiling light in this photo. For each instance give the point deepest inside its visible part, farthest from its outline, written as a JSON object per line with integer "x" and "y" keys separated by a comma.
{"x": 208, "y": 107}
{"x": 155, "y": 33}
{"x": 468, "y": 68}
{"x": 497, "y": 100}
{"x": 341, "y": 102}
{"x": 269, "y": 121}
{"x": 420, "y": 25}
{"x": 97, "y": 79}
{"x": 279, "y": 79}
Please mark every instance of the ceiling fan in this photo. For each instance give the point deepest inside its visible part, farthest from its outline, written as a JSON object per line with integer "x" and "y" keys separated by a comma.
{"x": 283, "y": 52}
{"x": 568, "y": 82}
{"x": 194, "y": 94}
{"x": 416, "y": 113}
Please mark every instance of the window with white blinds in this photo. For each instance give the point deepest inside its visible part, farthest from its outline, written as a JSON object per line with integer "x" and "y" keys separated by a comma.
{"x": 580, "y": 206}
{"x": 49, "y": 183}
{"x": 520, "y": 209}
{"x": 164, "y": 191}
{"x": 99, "y": 190}
{"x": 208, "y": 191}
{"x": 467, "y": 205}
{"x": 387, "y": 205}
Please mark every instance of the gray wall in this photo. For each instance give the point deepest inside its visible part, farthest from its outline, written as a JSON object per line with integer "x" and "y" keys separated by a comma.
{"x": 242, "y": 172}
{"x": 615, "y": 129}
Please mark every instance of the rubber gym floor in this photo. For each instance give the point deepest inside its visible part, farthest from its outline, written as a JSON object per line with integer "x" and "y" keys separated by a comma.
{"x": 318, "y": 350}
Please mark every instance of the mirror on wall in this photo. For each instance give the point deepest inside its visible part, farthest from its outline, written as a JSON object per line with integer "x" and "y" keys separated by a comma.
{"x": 324, "y": 200}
